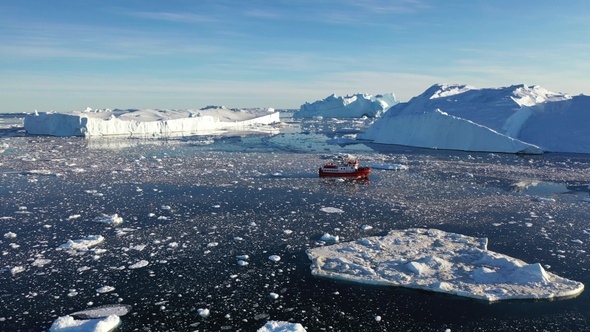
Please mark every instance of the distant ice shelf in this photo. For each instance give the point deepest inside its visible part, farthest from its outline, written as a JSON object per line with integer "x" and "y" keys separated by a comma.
{"x": 434, "y": 260}
{"x": 147, "y": 122}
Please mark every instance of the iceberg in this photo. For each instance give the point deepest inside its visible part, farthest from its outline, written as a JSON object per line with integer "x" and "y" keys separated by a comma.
{"x": 515, "y": 119}
{"x": 351, "y": 106}
{"x": 438, "y": 261}
{"x": 147, "y": 122}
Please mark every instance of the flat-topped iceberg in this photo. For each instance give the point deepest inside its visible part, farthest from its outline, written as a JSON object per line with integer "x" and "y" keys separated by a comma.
{"x": 515, "y": 119}
{"x": 438, "y": 261}
{"x": 352, "y": 106}
{"x": 147, "y": 122}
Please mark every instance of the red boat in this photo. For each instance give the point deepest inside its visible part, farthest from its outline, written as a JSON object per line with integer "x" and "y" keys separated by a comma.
{"x": 344, "y": 168}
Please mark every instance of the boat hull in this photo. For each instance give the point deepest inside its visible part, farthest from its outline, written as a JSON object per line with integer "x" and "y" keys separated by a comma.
{"x": 359, "y": 173}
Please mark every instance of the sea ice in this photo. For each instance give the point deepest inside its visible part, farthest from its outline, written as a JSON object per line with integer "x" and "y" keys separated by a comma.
{"x": 69, "y": 324}
{"x": 105, "y": 289}
{"x": 109, "y": 219}
{"x": 438, "y": 261}
{"x": 332, "y": 210}
{"x": 9, "y": 235}
{"x": 394, "y": 167}
{"x": 278, "y": 326}
{"x": 103, "y": 311}
{"x": 84, "y": 243}
{"x": 139, "y": 264}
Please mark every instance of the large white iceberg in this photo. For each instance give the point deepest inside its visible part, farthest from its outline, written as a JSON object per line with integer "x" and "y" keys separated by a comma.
{"x": 519, "y": 119}
{"x": 69, "y": 324}
{"x": 438, "y": 261}
{"x": 352, "y": 106}
{"x": 146, "y": 122}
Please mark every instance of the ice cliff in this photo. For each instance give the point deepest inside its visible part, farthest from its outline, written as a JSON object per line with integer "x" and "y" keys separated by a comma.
{"x": 352, "y": 106}
{"x": 146, "y": 122}
{"x": 515, "y": 119}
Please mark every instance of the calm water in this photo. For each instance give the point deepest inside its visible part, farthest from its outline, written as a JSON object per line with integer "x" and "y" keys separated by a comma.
{"x": 191, "y": 206}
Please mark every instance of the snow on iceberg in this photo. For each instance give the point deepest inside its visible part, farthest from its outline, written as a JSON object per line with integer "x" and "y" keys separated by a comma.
{"x": 83, "y": 243}
{"x": 352, "y": 106}
{"x": 438, "y": 261}
{"x": 146, "y": 122}
{"x": 531, "y": 114}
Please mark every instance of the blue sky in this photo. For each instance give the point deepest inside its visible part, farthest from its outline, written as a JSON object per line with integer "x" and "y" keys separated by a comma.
{"x": 65, "y": 55}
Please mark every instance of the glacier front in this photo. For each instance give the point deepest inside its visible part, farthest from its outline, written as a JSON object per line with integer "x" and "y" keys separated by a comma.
{"x": 146, "y": 122}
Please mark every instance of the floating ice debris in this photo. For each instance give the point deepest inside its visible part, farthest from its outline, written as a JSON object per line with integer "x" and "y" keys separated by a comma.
{"x": 544, "y": 199}
{"x": 203, "y": 312}
{"x": 578, "y": 241}
{"x": 84, "y": 243}
{"x": 103, "y": 311}
{"x": 17, "y": 269}
{"x": 274, "y": 258}
{"x": 278, "y": 326}
{"x": 74, "y": 216}
{"x": 434, "y": 260}
{"x": 393, "y": 167}
{"x": 377, "y": 318}
{"x": 366, "y": 227}
{"x": 330, "y": 238}
{"x": 40, "y": 262}
{"x": 166, "y": 207}
{"x": 9, "y": 235}
{"x": 332, "y": 210}
{"x": 69, "y": 324}
{"x": 212, "y": 244}
{"x": 109, "y": 219}
{"x": 105, "y": 289}
{"x": 273, "y": 296}
{"x": 139, "y": 264}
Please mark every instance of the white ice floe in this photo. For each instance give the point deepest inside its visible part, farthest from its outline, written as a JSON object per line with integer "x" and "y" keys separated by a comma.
{"x": 9, "y": 235}
{"x": 84, "y": 243}
{"x": 279, "y": 326}
{"x": 113, "y": 219}
{"x": 146, "y": 122}
{"x": 204, "y": 312}
{"x": 394, "y": 167}
{"x": 274, "y": 258}
{"x": 103, "y": 311}
{"x": 105, "y": 289}
{"x": 332, "y": 210}
{"x": 70, "y": 324}
{"x": 139, "y": 264}
{"x": 330, "y": 238}
{"x": 438, "y": 261}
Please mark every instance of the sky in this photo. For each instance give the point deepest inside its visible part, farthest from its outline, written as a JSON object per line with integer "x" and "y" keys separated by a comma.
{"x": 66, "y": 55}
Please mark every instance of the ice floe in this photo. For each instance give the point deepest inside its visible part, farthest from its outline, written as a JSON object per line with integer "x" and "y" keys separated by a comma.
{"x": 279, "y": 326}
{"x": 84, "y": 243}
{"x": 70, "y": 324}
{"x": 438, "y": 261}
{"x": 109, "y": 219}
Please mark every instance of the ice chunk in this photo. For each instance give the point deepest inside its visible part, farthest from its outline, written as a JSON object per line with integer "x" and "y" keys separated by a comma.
{"x": 69, "y": 324}
{"x": 84, "y": 243}
{"x": 109, "y": 219}
{"x": 103, "y": 311}
{"x": 278, "y": 326}
{"x": 434, "y": 260}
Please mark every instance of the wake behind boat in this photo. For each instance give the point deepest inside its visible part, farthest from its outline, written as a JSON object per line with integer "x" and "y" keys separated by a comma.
{"x": 344, "y": 167}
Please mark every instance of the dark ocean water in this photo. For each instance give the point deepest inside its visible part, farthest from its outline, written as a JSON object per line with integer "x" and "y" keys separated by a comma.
{"x": 192, "y": 206}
